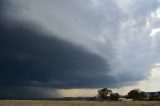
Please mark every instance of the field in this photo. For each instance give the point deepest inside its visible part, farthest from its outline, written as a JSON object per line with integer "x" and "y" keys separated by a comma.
{"x": 73, "y": 103}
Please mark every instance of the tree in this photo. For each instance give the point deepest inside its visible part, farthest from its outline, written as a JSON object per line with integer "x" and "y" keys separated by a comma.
{"x": 114, "y": 96}
{"x": 153, "y": 96}
{"x": 104, "y": 93}
{"x": 159, "y": 94}
{"x": 136, "y": 94}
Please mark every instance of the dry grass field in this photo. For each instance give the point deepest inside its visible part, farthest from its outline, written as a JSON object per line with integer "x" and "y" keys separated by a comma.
{"x": 73, "y": 103}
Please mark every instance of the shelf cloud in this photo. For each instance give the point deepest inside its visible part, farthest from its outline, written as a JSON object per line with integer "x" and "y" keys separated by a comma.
{"x": 70, "y": 44}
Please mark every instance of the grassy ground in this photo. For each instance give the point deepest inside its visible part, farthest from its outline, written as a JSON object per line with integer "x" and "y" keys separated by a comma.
{"x": 74, "y": 103}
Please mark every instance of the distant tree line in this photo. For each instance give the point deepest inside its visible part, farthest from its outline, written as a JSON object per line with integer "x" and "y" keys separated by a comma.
{"x": 107, "y": 94}
{"x": 135, "y": 94}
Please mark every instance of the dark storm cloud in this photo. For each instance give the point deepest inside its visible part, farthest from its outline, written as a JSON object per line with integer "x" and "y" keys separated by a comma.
{"x": 30, "y": 61}
{"x": 29, "y": 58}
{"x": 80, "y": 50}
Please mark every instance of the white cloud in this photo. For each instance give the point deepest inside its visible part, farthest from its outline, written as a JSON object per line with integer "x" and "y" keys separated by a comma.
{"x": 154, "y": 32}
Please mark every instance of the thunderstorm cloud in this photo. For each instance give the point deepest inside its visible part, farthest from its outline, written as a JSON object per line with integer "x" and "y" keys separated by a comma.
{"x": 68, "y": 44}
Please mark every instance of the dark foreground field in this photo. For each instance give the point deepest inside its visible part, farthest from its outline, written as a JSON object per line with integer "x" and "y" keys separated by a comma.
{"x": 73, "y": 103}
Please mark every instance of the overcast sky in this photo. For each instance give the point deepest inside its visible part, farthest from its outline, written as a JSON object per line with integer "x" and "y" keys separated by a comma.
{"x": 55, "y": 48}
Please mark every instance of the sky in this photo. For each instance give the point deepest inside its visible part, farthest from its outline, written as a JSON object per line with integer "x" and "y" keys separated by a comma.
{"x": 60, "y": 48}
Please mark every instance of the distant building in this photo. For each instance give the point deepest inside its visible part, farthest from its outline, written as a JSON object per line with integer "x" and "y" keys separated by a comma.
{"x": 124, "y": 99}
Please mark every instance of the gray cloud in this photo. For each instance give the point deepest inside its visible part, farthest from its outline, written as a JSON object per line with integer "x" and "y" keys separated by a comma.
{"x": 76, "y": 44}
